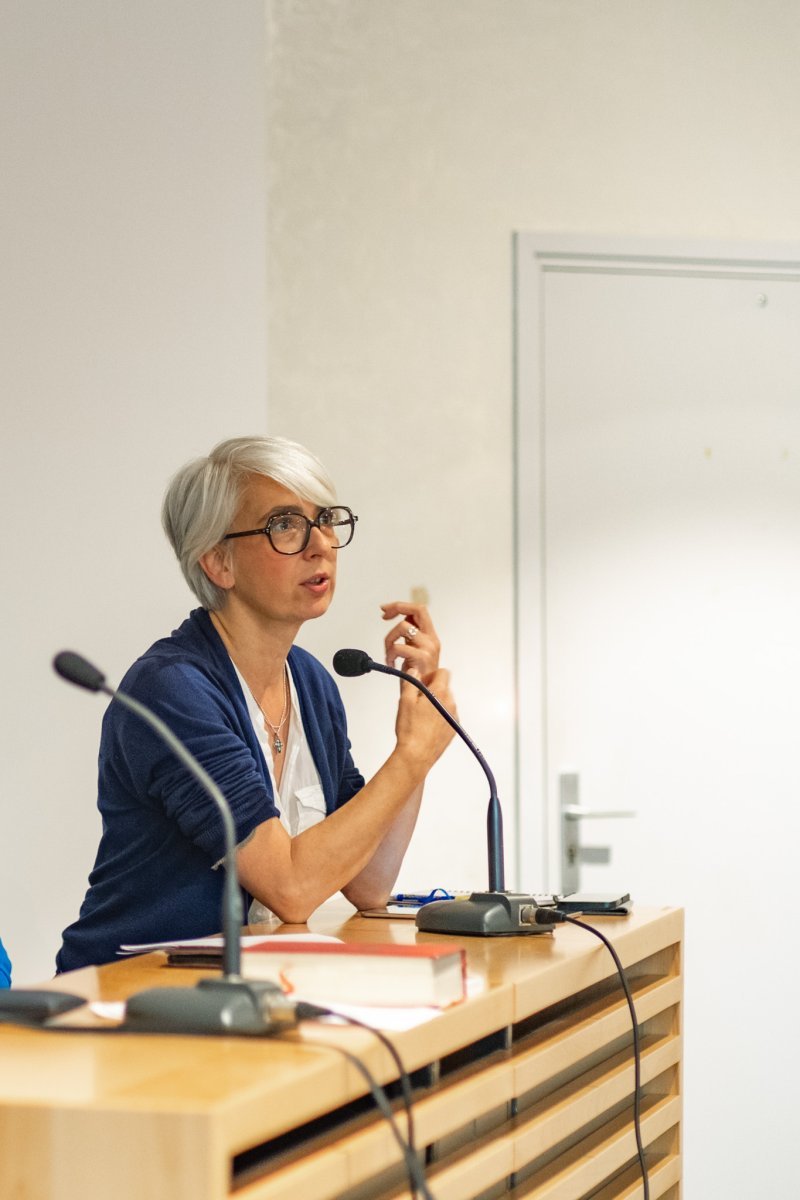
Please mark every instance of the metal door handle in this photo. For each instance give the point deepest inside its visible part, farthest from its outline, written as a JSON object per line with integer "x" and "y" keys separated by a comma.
{"x": 571, "y": 812}
{"x": 577, "y": 812}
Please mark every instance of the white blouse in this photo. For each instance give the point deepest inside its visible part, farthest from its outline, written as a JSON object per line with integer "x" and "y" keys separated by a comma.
{"x": 300, "y": 799}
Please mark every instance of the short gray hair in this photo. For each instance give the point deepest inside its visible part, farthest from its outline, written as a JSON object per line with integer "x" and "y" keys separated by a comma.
{"x": 202, "y": 498}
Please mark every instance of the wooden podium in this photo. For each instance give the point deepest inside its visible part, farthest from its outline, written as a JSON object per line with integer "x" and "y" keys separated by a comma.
{"x": 524, "y": 1090}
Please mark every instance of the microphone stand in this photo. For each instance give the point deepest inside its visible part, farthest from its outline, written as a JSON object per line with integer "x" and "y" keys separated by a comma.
{"x": 226, "y": 1004}
{"x": 496, "y": 912}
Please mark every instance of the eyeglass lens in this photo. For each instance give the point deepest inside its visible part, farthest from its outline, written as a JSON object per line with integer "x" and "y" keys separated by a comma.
{"x": 290, "y": 532}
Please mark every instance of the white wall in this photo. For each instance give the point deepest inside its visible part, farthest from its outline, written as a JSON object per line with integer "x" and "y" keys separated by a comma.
{"x": 407, "y": 141}
{"x": 133, "y": 327}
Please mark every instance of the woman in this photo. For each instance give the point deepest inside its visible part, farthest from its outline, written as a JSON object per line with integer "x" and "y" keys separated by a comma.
{"x": 257, "y": 531}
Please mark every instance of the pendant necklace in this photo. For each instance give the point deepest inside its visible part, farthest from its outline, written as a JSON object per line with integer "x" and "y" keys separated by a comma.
{"x": 277, "y": 744}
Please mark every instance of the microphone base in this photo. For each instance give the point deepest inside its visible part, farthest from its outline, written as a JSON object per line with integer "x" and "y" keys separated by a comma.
{"x": 28, "y": 1006}
{"x": 227, "y": 1006}
{"x": 484, "y": 914}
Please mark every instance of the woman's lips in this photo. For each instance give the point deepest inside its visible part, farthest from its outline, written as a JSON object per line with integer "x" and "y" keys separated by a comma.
{"x": 318, "y": 584}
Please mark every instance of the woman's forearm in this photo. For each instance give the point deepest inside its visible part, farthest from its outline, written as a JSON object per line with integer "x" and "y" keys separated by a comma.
{"x": 372, "y": 886}
{"x": 357, "y": 849}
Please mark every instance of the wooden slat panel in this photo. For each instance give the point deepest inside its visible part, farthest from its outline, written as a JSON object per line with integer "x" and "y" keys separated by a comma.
{"x": 580, "y": 1171}
{"x": 540, "y": 1129}
{"x": 663, "y": 1177}
{"x": 564, "y": 1043}
{"x": 323, "y": 1175}
{"x": 537, "y": 1130}
{"x": 577, "y": 1174}
{"x": 457, "y": 1104}
{"x": 370, "y": 1150}
{"x": 548, "y": 1122}
{"x": 468, "y": 1177}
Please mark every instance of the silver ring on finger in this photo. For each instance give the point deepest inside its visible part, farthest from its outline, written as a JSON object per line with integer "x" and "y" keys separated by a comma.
{"x": 411, "y": 632}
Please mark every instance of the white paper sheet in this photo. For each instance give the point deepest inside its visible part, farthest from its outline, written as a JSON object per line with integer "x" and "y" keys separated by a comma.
{"x": 210, "y": 943}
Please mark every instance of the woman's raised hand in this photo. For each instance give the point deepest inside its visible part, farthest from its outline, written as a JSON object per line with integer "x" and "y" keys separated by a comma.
{"x": 411, "y": 643}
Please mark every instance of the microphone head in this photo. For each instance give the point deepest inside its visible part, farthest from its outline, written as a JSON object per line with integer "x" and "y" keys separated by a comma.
{"x": 352, "y": 662}
{"x": 75, "y": 669}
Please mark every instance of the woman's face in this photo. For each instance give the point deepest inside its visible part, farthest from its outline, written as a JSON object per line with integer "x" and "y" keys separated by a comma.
{"x": 286, "y": 588}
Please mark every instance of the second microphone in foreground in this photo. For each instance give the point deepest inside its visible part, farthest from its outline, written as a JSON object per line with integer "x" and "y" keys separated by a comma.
{"x": 216, "y": 1005}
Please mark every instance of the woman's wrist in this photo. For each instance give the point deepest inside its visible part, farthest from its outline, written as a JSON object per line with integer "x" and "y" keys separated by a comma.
{"x": 408, "y": 765}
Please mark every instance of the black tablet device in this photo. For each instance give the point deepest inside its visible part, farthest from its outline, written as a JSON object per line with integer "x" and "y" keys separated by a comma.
{"x": 607, "y": 903}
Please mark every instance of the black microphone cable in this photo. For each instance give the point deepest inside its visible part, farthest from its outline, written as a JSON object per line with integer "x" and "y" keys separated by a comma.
{"x": 554, "y": 916}
{"x": 416, "y": 1176}
{"x": 417, "y": 1183}
{"x": 402, "y": 1073}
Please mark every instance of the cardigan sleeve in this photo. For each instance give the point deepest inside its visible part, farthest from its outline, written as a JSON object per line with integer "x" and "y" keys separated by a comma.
{"x": 202, "y": 715}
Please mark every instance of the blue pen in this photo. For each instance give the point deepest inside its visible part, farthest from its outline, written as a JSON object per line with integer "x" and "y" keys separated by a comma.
{"x": 420, "y": 898}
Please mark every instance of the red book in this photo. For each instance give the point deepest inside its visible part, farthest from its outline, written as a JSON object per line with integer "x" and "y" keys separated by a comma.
{"x": 369, "y": 973}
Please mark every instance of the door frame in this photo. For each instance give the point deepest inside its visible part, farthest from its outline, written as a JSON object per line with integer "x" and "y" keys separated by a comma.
{"x": 534, "y": 255}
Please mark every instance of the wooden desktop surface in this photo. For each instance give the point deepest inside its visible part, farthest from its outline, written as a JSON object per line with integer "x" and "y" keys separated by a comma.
{"x": 85, "y": 1115}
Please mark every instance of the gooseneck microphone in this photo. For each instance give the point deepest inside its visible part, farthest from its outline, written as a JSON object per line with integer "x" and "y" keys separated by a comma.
{"x": 358, "y": 662}
{"x": 77, "y": 670}
{"x": 226, "y": 1004}
{"x": 495, "y": 913}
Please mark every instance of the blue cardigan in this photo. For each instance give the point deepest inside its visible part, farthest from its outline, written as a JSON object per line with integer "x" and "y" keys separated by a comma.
{"x": 153, "y": 878}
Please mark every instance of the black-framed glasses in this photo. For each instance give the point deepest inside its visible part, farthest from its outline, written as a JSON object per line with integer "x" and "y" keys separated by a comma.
{"x": 289, "y": 532}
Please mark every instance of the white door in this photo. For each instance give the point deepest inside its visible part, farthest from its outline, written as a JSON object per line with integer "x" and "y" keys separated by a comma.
{"x": 659, "y": 600}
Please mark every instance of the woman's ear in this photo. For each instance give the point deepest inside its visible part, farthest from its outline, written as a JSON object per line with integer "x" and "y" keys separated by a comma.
{"x": 218, "y": 566}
